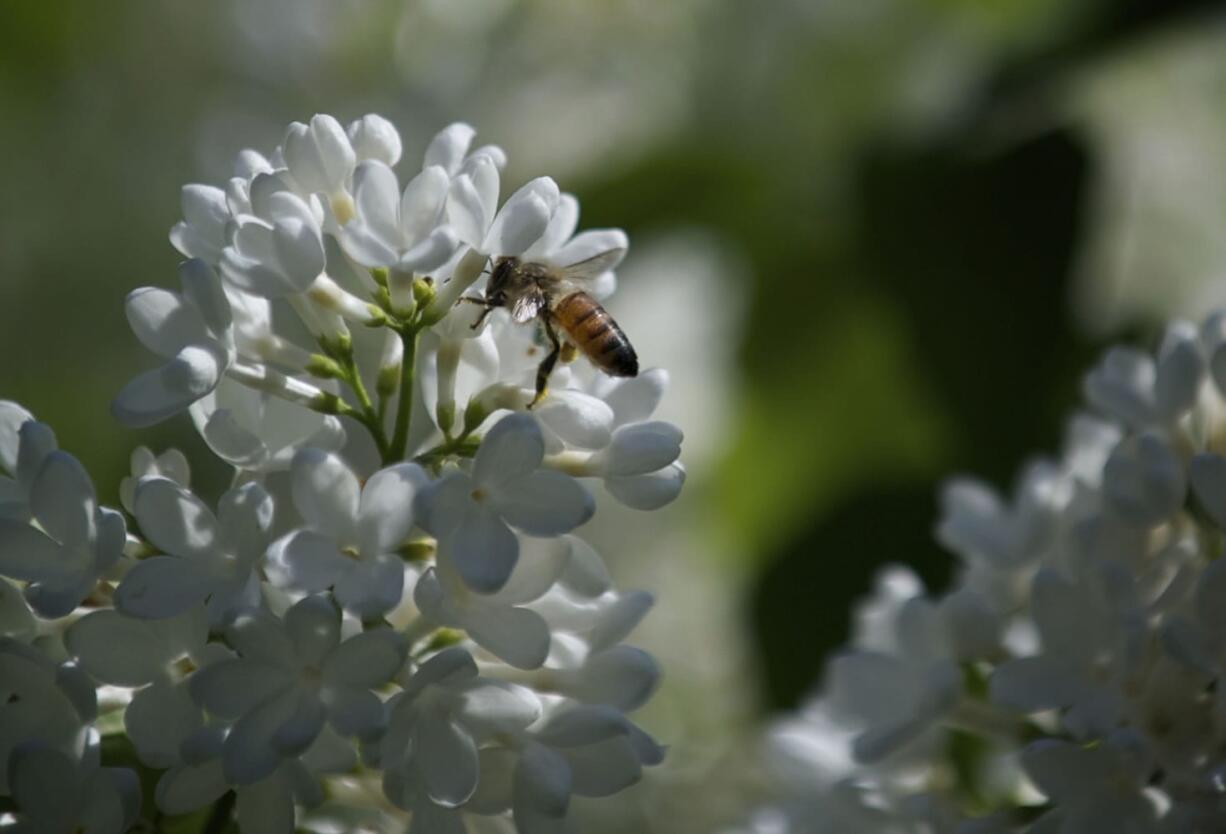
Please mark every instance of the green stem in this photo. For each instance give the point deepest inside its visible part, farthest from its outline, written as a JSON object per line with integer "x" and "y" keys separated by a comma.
{"x": 404, "y": 402}
{"x": 372, "y": 419}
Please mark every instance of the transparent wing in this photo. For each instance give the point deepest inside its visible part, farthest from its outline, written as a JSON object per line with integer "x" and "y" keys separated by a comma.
{"x": 527, "y": 307}
{"x": 593, "y": 267}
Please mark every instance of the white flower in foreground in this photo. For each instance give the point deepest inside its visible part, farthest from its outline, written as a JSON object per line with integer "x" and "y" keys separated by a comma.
{"x": 126, "y": 651}
{"x": 291, "y": 677}
{"x": 39, "y": 702}
{"x": 192, "y": 330}
{"x": 277, "y": 249}
{"x": 471, "y": 513}
{"x": 559, "y": 245}
{"x": 351, "y": 534}
{"x": 400, "y": 231}
{"x": 515, "y": 228}
{"x": 590, "y": 751}
{"x": 438, "y": 724}
{"x": 77, "y": 542}
{"x": 205, "y": 557}
{"x": 374, "y": 137}
{"x": 320, "y": 158}
{"x": 259, "y": 432}
{"x": 24, "y": 445}
{"x": 171, "y": 464}
{"x": 55, "y": 794}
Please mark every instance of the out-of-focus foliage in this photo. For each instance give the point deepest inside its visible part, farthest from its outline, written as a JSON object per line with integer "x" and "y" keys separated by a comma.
{"x": 885, "y": 205}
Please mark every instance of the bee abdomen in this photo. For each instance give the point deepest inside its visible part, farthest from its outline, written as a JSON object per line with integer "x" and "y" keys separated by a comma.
{"x": 596, "y": 333}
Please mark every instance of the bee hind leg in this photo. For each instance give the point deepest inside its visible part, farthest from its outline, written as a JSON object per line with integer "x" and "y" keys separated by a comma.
{"x": 547, "y": 364}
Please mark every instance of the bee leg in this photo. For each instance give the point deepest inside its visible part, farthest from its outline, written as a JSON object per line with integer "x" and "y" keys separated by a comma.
{"x": 484, "y": 302}
{"x": 546, "y": 367}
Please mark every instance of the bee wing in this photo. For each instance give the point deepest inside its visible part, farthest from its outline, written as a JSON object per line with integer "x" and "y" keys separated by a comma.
{"x": 593, "y": 267}
{"x": 527, "y": 307}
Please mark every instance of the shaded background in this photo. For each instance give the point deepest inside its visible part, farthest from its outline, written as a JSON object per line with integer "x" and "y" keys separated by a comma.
{"x": 876, "y": 242}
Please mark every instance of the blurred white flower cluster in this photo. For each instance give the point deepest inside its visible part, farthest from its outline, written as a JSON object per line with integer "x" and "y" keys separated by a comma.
{"x": 388, "y": 609}
{"x": 1072, "y": 679}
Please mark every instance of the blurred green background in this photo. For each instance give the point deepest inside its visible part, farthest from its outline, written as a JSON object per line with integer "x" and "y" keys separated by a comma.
{"x": 876, "y": 242}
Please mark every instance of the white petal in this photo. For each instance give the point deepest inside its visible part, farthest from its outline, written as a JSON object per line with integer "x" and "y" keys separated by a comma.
{"x": 201, "y": 234}
{"x": 326, "y": 492}
{"x": 121, "y": 650}
{"x": 513, "y": 448}
{"x": 561, "y": 226}
{"x": 202, "y": 289}
{"x": 386, "y": 508}
{"x": 231, "y": 441}
{"x": 581, "y": 420}
{"x": 260, "y": 636}
{"x": 431, "y": 253}
{"x": 482, "y": 549}
{"x": 641, "y": 448}
{"x": 16, "y": 621}
{"x": 377, "y": 201}
{"x": 306, "y": 560}
{"x": 163, "y": 392}
{"x": 27, "y": 554}
{"x": 374, "y": 137}
{"x": 545, "y": 503}
{"x": 449, "y": 761}
{"x": 245, "y": 514}
{"x": 448, "y": 668}
{"x": 491, "y": 707}
{"x": 371, "y": 588}
{"x": 620, "y": 619}
{"x": 62, "y": 499}
{"x": 174, "y": 520}
{"x": 449, "y": 146}
{"x": 37, "y": 440}
{"x": 585, "y": 573}
{"x": 162, "y": 586}
{"x": 605, "y": 768}
{"x": 366, "y": 660}
{"x": 319, "y": 155}
{"x": 523, "y": 219}
{"x": 314, "y": 626}
{"x": 1030, "y": 684}
{"x": 421, "y": 205}
{"x": 233, "y": 687}
{"x": 46, "y": 785}
{"x": 354, "y": 712}
{"x": 164, "y": 322}
{"x": 249, "y": 754}
{"x": 635, "y": 400}
{"x": 589, "y": 244}
{"x": 648, "y": 492}
{"x": 541, "y": 562}
{"x": 12, "y": 417}
{"x": 516, "y": 635}
{"x": 158, "y": 720}
{"x": 623, "y": 677}
{"x": 542, "y": 786}
{"x": 466, "y": 213}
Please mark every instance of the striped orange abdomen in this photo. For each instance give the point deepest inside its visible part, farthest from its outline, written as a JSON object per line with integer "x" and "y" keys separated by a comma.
{"x": 595, "y": 333}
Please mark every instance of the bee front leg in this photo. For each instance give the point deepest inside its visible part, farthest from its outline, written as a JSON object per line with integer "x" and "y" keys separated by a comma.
{"x": 547, "y": 364}
{"x": 484, "y": 302}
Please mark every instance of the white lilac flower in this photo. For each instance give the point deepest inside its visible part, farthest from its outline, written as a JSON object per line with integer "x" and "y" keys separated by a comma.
{"x": 76, "y": 540}
{"x": 205, "y": 557}
{"x": 352, "y": 532}
{"x": 290, "y": 678}
{"x": 399, "y": 230}
{"x": 24, "y": 445}
{"x": 588, "y": 751}
{"x": 437, "y": 725}
{"x": 374, "y": 137}
{"x": 560, "y": 246}
{"x": 277, "y": 248}
{"x": 127, "y": 651}
{"x": 472, "y": 513}
{"x": 192, "y": 330}
{"x": 171, "y": 464}
{"x": 55, "y": 794}
{"x": 259, "y": 432}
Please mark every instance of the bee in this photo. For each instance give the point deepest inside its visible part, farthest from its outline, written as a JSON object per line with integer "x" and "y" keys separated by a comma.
{"x": 555, "y": 296}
